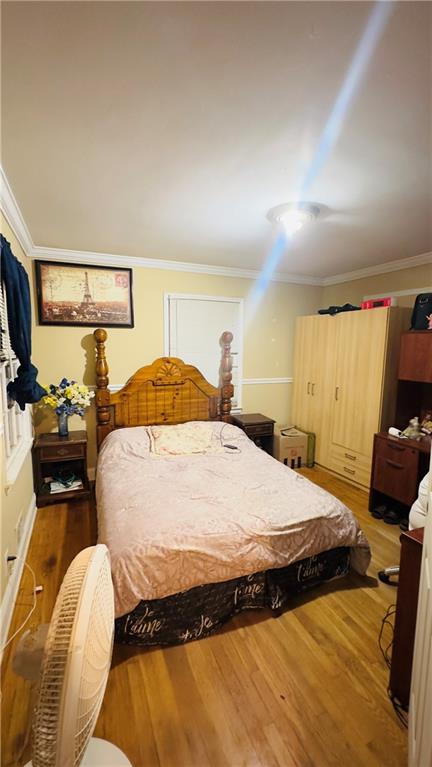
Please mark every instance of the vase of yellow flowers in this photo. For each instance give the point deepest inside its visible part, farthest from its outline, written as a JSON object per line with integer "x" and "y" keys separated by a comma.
{"x": 67, "y": 398}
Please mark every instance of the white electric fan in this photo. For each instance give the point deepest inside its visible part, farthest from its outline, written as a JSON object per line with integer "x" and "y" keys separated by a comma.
{"x": 75, "y": 666}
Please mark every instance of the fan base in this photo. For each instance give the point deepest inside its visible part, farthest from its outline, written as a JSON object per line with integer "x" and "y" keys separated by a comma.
{"x": 101, "y": 753}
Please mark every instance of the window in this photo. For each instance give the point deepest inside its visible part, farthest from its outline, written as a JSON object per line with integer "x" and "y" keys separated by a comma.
{"x": 193, "y": 327}
{"x": 16, "y": 423}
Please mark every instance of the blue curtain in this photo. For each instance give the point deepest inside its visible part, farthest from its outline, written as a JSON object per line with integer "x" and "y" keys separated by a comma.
{"x": 14, "y": 278}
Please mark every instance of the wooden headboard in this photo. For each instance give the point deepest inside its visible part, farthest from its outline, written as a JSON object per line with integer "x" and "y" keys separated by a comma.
{"x": 166, "y": 392}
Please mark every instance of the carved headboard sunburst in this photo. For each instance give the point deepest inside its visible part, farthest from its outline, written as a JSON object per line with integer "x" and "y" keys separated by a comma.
{"x": 166, "y": 392}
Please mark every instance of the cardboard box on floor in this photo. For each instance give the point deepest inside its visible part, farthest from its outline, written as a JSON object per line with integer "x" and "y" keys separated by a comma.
{"x": 290, "y": 446}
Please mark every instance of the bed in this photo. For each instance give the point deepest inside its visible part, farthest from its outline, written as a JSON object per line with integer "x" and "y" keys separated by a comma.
{"x": 200, "y": 523}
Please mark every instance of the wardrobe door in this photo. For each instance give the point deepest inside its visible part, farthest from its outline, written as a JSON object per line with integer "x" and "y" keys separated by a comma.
{"x": 323, "y": 371}
{"x": 303, "y": 375}
{"x": 361, "y": 346}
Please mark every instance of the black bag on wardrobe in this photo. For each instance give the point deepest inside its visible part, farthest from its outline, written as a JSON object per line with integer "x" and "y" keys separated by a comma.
{"x": 422, "y": 308}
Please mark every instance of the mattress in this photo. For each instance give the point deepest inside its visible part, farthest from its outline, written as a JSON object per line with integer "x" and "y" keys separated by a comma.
{"x": 176, "y": 522}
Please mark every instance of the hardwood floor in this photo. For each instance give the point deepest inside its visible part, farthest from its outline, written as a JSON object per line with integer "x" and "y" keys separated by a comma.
{"x": 307, "y": 689}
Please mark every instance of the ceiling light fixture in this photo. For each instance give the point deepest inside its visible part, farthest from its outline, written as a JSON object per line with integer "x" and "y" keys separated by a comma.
{"x": 293, "y": 216}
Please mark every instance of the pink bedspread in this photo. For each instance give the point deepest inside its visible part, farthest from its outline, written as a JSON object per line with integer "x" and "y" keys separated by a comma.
{"x": 177, "y": 522}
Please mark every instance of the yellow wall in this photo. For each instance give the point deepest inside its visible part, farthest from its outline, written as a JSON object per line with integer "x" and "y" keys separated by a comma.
{"x": 268, "y": 346}
{"x": 268, "y": 339}
{"x": 15, "y": 500}
{"x": 405, "y": 279}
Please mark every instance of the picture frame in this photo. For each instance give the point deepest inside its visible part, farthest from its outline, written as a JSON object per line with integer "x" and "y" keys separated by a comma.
{"x": 84, "y": 295}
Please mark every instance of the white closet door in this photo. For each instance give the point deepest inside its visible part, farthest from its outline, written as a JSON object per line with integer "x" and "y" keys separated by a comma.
{"x": 195, "y": 325}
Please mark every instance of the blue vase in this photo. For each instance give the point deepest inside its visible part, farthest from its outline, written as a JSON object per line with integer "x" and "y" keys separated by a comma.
{"x": 63, "y": 429}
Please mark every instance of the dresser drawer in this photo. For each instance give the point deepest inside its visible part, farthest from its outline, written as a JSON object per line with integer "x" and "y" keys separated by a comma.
{"x": 60, "y": 452}
{"x": 260, "y": 430}
{"x": 396, "y": 451}
{"x": 396, "y": 473}
{"x": 351, "y": 464}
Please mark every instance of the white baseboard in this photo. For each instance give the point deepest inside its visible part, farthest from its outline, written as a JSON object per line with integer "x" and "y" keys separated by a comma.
{"x": 11, "y": 591}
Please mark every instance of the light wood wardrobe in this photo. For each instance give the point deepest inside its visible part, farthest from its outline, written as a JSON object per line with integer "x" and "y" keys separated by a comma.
{"x": 345, "y": 375}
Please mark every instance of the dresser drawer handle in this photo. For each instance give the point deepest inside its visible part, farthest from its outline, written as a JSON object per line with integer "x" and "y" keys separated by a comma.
{"x": 351, "y": 457}
{"x": 394, "y": 464}
{"x": 62, "y": 451}
{"x": 399, "y": 448}
{"x": 349, "y": 471}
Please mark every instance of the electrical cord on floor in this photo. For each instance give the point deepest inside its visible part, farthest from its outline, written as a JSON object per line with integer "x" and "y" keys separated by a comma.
{"x": 399, "y": 709}
{"x": 32, "y": 609}
{"x": 385, "y": 650}
{"x": 391, "y": 611}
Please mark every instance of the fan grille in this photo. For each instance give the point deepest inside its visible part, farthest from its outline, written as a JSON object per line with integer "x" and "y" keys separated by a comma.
{"x": 66, "y": 639}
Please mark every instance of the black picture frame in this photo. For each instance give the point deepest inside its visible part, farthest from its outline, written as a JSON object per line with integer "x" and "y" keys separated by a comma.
{"x": 84, "y": 295}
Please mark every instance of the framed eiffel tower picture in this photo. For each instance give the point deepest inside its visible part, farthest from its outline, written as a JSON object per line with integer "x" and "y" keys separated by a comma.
{"x": 79, "y": 294}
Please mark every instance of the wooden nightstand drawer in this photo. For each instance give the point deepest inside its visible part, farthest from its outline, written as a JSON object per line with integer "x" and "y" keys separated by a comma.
{"x": 264, "y": 430}
{"x": 395, "y": 480}
{"x": 396, "y": 469}
{"x": 60, "y": 452}
{"x": 395, "y": 451}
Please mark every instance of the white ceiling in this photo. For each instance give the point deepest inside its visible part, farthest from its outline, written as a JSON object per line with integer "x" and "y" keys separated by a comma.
{"x": 167, "y": 130}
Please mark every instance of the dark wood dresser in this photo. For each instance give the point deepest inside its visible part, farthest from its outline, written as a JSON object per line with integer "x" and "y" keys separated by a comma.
{"x": 399, "y": 465}
{"x": 406, "y": 615}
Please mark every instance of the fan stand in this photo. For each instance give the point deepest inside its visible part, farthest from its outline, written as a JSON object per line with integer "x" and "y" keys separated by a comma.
{"x": 101, "y": 753}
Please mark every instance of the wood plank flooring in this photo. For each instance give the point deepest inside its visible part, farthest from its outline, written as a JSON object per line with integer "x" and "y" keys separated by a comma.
{"x": 307, "y": 689}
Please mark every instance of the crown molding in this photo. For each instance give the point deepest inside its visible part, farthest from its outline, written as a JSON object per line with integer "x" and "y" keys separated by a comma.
{"x": 109, "y": 259}
{"x": 370, "y": 271}
{"x": 397, "y": 293}
{"x": 12, "y": 213}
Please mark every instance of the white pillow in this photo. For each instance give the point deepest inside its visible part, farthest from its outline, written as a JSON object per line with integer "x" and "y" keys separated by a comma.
{"x": 182, "y": 439}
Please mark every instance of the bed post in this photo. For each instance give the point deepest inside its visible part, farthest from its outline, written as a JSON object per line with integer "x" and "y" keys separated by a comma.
{"x": 227, "y": 389}
{"x": 102, "y": 393}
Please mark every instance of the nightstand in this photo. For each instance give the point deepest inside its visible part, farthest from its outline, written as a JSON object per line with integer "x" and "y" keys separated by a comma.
{"x": 258, "y": 428}
{"x": 51, "y": 454}
{"x": 398, "y": 466}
